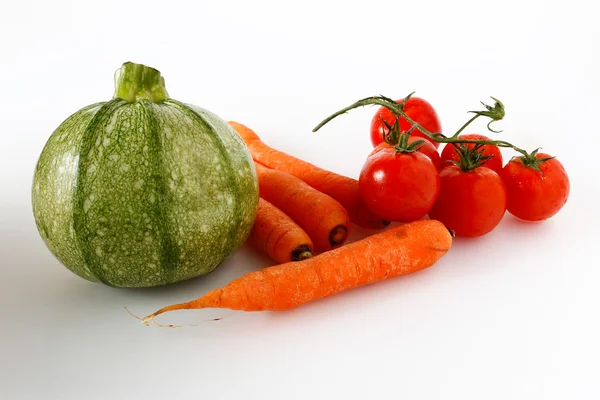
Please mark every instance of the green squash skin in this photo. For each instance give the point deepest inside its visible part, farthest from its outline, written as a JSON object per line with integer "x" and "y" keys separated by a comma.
{"x": 140, "y": 194}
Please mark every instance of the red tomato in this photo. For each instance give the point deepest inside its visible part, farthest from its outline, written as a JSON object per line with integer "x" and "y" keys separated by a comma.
{"x": 535, "y": 196}
{"x": 429, "y": 150}
{"x": 426, "y": 148}
{"x": 470, "y": 203}
{"x": 495, "y": 163}
{"x": 417, "y": 109}
{"x": 399, "y": 186}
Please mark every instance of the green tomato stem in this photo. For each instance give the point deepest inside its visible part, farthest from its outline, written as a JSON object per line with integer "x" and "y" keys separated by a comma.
{"x": 466, "y": 124}
{"x": 493, "y": 113}
{"x": 499, "y": 143}
{"x": 135, "y": 82}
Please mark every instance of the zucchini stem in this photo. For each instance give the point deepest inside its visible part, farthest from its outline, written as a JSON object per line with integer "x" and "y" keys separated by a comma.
{"x": 135, "y": 82}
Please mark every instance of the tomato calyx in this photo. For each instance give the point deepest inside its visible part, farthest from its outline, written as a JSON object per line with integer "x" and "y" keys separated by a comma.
{"x": 531, "y": 160}
{"x": 402, "y": 103}
{"x": 494, "y": 113}
{"x": 470, "y": 158}
{"x": 399, "y": 140}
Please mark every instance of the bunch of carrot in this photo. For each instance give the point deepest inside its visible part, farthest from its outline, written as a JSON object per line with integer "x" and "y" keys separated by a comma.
{"x": 304, "y": 209}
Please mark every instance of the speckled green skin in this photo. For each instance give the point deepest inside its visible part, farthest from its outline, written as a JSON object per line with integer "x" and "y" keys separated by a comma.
{"x": 143, "y": 194}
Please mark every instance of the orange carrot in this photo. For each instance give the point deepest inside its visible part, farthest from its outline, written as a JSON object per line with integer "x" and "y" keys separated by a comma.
{"x": 397, "y": 251}
{"x": 276, "y": 235}
{"x": 322, "y": 218}
{"x": 342, "y": 188}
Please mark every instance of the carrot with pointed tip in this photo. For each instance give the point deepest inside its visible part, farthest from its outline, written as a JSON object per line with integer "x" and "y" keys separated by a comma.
{"x": 278, "y": 236}
{"x": 324, "y": 220}
{"x": 398, "y": 251}
{"x": 342, "y": 188}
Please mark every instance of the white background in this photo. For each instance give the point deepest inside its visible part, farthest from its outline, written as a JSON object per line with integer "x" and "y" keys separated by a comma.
{"x": 512, "y": 315}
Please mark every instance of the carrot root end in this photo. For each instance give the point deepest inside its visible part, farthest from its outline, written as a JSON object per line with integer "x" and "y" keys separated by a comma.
{"x": 301, "y": 252}
{"x": 338, "y": 235}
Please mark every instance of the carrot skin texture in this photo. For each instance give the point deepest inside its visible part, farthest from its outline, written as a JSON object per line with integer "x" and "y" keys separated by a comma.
{"x": 324, "y": 219}
{"x": 398, "y": 251}
{"x": 342, "y": 188}
{"x": 276, "y": 235}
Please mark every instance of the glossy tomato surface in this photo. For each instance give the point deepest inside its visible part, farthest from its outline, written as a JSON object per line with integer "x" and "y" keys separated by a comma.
{"x": 417, "y": 109}
{"x": 429, "y": 150}
{"x": 533, "y": 195}
{"x": 399, "y": 186}
{"x": 449, "y": 152}
{"x": 470, "y": 203}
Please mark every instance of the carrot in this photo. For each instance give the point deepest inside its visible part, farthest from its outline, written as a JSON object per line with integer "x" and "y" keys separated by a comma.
{"x": 397, "y": 251}
{"x": 342, "y": 188}
{"x": 276, "y": 235}
{"x": 322, "y": 218}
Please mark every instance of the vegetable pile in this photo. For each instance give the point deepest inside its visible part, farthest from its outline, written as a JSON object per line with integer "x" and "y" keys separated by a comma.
{"x": 465, "y": 191}
{"x": 144, "y": 190}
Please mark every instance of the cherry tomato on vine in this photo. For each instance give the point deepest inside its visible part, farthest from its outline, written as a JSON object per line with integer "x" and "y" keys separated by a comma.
{"x": 470, "y": 203}
{"x": 399, "y": 186}
{"x": 535, "y": 195}
{"x": 417, "y": 109}
{"x": 426, "y": 148}
{"x": 449, "y": 152}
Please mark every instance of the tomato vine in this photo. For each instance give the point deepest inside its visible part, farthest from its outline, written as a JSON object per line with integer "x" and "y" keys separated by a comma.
{"x": 495, "y": 112}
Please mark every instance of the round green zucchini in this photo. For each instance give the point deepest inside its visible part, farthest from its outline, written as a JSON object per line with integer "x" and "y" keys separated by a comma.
{"x": 143, "y": 190}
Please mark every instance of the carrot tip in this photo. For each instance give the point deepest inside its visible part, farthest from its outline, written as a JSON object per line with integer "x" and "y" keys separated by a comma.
{"x": 181, "y": 306}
